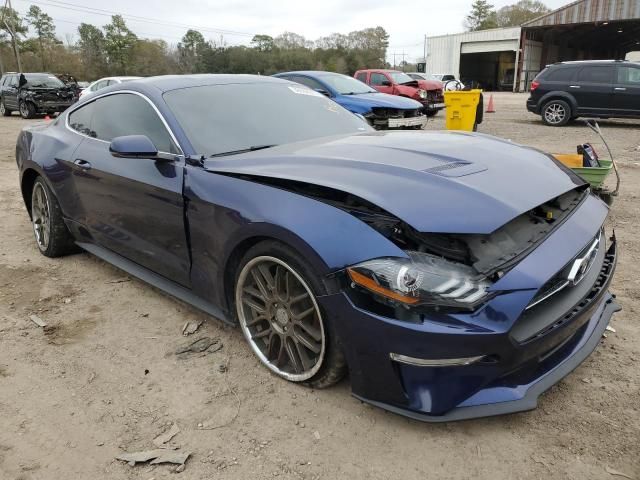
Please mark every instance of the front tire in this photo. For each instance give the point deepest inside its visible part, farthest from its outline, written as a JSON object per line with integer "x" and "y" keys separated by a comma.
{"x": 556, "y": 113}
{"x": 4, "y": 111}
{"x": 52, "y": 236}
{"x": 27, "y": 110}
{"x": 276, "y": 306}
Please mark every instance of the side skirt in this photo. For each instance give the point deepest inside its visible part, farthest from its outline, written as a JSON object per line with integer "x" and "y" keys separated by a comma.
{"x": 156, "y": 280}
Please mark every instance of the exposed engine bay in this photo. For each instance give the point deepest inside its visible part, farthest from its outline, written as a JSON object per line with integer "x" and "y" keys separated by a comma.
{"x": 490, "y": 255}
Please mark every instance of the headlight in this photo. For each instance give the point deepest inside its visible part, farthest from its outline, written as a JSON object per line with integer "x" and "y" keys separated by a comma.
{"x": 422, "y": 93}
{"x": 422, "y": 279}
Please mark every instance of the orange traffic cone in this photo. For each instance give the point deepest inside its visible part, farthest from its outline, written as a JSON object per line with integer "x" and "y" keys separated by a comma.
{"x": 490, "y": 108}
{"x": 47, "y": 118}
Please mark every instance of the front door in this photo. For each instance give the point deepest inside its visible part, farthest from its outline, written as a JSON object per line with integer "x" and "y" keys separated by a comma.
{"x": 11, "y": 93}
{"x": 626, "y": 90}
{"x": 593, "y": 89}
{"x": 381, "y": 82}
{"x": 132, "y": 206}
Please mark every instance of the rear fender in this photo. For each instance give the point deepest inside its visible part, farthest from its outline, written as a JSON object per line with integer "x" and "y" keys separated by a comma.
{"x": 555, "y": 95}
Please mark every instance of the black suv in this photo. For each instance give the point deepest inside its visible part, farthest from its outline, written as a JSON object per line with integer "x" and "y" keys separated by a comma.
{"x": 34, "y": 93}
{"x": 597, "y": 88}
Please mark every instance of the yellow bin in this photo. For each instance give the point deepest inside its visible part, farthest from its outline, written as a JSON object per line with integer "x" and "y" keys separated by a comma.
{"x": 461, "y": 109}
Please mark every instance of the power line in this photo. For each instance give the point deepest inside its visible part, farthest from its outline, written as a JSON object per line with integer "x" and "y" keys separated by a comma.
{"x": 137, "y": 18}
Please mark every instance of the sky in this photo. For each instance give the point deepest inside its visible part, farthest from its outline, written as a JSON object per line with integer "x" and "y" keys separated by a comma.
{"x": 236, "y": 21}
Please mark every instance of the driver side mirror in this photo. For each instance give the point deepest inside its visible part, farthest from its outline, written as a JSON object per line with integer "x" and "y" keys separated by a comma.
{"x": 385, "y": 83}
{"x": 134, "y": 146}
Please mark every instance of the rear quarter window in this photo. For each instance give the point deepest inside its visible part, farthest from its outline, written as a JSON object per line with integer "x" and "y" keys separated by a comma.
{"x": 563, "y": 74}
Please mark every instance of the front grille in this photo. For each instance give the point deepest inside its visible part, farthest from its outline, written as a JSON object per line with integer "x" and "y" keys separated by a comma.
{"x": 568, "y": 303}
{"x": 385, "y": 113}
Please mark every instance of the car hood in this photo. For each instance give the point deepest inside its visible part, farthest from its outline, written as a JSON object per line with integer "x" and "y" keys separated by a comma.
{"x": 378, "y": 100}
{"x": 430, "y": 84}
{"x": 439, "y": 182}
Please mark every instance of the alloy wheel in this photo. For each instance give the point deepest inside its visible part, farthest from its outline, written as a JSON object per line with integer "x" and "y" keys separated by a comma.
{"x": 41, "y": 216}
{"x": 24, "y": 109}
{"x": 280, "y": 318}
{"x": 555, "y": 113}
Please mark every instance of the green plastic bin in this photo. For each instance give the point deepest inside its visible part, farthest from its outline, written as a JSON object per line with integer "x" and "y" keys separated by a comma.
{"x": 595, "y": 175}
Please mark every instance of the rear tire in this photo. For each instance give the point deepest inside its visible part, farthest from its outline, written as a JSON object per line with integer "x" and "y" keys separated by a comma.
{"x": 4, "y": 111}
{"x": 27, "y": 110}
{"x": 276, "y": 306}
{"x": 52, "y": 236}
{"x": 556, "y": 113}
{"x": 431, "y": 113}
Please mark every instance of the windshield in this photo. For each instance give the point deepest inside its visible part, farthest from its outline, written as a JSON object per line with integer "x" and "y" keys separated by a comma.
{"x": 418, "y": 76}
{"x": 227, "y": 118}
{"x": 399, "y": 77}
{"x": 345, "y": 85}
{"x": 43, "y": 81}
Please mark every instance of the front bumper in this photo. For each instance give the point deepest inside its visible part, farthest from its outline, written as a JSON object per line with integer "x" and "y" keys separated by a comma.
{"x": 50, "y": 106}
{"x": 405, "y": 122}
{"x": 509, "y": 379}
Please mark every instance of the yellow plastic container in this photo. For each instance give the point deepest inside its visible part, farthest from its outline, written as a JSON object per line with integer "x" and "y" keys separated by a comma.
{"x": 571, "y": 160}
{"x": 461, "y": 109}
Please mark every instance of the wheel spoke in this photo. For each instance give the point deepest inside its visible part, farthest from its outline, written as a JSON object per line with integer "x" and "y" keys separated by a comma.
{"x": 253, "y": 305}
{"x": 263, "y": 333}
{"x": 304, "y": 313}
{"x": 292, "y": 353}
{"x": 302, "y": 339}
{"x": 304, "y": 358}
{"x": 298, "y": 298}
{"x": 256, "y": 319}
{"x": 260, "y": 282}
{"x": 314, "y": 332}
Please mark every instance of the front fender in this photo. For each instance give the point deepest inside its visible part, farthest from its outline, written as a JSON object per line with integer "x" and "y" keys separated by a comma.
{"x": 223, "y": 211}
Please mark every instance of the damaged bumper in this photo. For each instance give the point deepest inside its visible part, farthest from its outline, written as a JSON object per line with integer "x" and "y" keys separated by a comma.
{"x": 496, "y": 360}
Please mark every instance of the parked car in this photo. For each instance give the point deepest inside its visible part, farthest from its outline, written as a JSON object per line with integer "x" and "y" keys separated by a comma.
{"x": 105, "y": 82}
{"x": 33, "y": 93}
{"x": 393, "y": 82}
{"x": 595, "y": 88}
{"x": 382, "y": 111}
{"x": 454, "y": 275}
{"x": 449, "y": 81}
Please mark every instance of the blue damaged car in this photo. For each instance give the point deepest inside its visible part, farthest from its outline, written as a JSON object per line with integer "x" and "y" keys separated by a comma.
{"x": 452, "y": 275}
{"x": 381, "y": 110}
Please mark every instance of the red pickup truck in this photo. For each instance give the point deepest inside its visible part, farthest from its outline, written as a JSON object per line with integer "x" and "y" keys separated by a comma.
{"x": 394, "y": 82}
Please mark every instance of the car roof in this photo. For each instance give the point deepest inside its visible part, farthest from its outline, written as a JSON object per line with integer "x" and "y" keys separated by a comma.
{"x": 587, "y": 62}
{"x": 311, "y": 73}
{"x": 165, "y": 83}
{"x": 387, "y": 70}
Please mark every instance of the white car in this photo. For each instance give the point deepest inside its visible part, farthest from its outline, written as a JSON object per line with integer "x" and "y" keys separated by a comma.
{"x": 105, "y": 82}
{"x": 450, "y": 81}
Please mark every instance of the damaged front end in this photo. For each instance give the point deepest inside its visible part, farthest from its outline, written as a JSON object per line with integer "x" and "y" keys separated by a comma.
{"x": 383, "y": 118}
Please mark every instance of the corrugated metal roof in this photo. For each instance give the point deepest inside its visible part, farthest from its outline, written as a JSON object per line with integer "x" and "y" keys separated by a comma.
{"x": 588, "y": 11}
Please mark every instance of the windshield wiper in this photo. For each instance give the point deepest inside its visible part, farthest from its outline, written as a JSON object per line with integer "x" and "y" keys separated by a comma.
{"x": 243, "y": 150}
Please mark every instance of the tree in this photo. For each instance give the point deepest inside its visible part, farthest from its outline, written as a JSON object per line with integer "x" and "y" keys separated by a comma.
{"x": 92, "y": 50}
{"x": 519, "y": 13}
{"x": 262, "y": 43}
{"x": 191, "y": 52}
{"x": 44, "y": 28}
{"x": 150, "y": 57}
{"x": 118, "y": 43}
{"x": 481, "y": 16}
{"x": 12, "y": 24}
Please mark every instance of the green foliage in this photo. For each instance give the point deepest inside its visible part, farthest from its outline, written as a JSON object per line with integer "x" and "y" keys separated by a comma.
{"x": 483, "y": 16}
{"x": 119, "y": 42}
{"x": 45, "y": 31}
{"x": 191, "y": 52}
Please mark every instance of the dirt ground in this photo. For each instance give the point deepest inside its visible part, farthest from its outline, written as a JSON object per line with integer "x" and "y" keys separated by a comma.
{"x": 103, "y": 377}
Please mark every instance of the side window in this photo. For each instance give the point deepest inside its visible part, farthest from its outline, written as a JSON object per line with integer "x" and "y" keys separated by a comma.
{"x": 564, "y": 74}
{"x": 13, "y": 81}
{"x": 362, "y": 76}
{"x": 129, "y": 114}
{"x": 100, "y": 84}
{"x": 378, "y": 79}
{"x": 80, "y": 119}
{"x": 629, "y": 76}
{"x": 3, "y": 80}
{"x": 596, "y": 74}
{"x": 309, "y": 82}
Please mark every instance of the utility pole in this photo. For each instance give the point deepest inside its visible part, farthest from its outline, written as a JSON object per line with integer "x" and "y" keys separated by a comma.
{"x": 424, "y": 52}
{"x": 12, "y": 33}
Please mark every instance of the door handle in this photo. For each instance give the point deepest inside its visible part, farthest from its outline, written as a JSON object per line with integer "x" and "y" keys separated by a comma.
{"x": 83, "y": 164}
{"x": 620, "y": 89}
{"x": 574, "y": 86}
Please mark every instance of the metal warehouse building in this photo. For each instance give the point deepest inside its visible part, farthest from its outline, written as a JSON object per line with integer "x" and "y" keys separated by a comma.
{"x": 509, "y": 58}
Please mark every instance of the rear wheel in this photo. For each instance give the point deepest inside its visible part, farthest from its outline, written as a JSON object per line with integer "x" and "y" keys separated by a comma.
{"x": 275, "y": 300}
{"x": 27, "y": 109}
{"x": 431, "y": 113}
{"x": 4, "y": 111}
{"x": 52, "y": 236}
{"x": 556, "y": 113}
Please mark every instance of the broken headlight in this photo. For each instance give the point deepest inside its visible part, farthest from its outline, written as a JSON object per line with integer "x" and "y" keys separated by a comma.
{"x": 421, "y": 280}
{"x": 422, "y": 93}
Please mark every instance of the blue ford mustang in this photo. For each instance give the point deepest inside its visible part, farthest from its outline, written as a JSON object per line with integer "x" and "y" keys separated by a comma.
{"x": 381, "y": 110}
{"x": 453, "y": 275}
